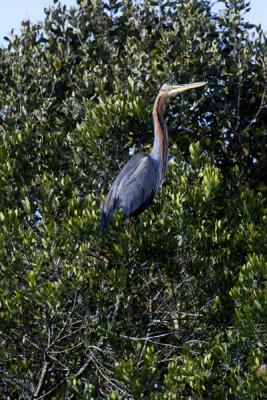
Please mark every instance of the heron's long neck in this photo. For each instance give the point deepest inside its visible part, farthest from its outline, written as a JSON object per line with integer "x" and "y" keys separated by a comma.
{"x": 160, "y": 146}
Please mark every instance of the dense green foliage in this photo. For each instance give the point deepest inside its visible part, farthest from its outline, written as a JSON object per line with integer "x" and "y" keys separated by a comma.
{"x": 174, "y": 305}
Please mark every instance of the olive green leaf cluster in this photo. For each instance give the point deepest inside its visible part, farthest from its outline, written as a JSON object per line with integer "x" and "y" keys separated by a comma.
{"x": 172, "y": 305}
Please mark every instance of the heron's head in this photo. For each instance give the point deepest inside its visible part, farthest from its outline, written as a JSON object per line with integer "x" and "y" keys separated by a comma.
{"x": 172, "y": 89}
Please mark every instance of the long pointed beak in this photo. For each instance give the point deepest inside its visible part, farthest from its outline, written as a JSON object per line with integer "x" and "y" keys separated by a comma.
{"x": 174, "y": 89}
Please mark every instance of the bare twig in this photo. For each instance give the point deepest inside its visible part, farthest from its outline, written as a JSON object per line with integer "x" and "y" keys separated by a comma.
{"x": 83, "y": 368}
{"x": 108, "y": 379}
{"x": 145, "y": 338}
{"x": 65, "y": 324}
{"x": 41, "y": 379}
{"x": 43, "y": 396}
{"x": 66, "y": 350}
{"x": 262, "y": 105}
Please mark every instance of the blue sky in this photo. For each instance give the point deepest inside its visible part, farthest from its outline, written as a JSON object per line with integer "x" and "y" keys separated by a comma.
{"x": 14, "y": 11}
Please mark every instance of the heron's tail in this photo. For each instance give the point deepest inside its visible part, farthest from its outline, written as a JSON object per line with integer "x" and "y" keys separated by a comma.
{"x": 103, "y": 224}
{"x": 104, "y": 221}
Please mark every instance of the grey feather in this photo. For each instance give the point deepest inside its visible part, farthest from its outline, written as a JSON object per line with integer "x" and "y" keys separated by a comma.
{"x": 133, "y": 190}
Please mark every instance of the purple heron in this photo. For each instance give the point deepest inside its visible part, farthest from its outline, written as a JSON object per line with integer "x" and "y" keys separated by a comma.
{"x": 139, "y": 180}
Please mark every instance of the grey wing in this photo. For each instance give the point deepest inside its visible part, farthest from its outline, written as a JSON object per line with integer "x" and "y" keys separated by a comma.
{"x": 133, "y": 189}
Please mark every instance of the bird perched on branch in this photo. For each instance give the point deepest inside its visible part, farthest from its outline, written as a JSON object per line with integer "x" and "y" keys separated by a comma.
{"x": 139, "y": 180}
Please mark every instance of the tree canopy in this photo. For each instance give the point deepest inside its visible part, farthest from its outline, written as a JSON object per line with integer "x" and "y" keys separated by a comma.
{"x": 173, "y": 306}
